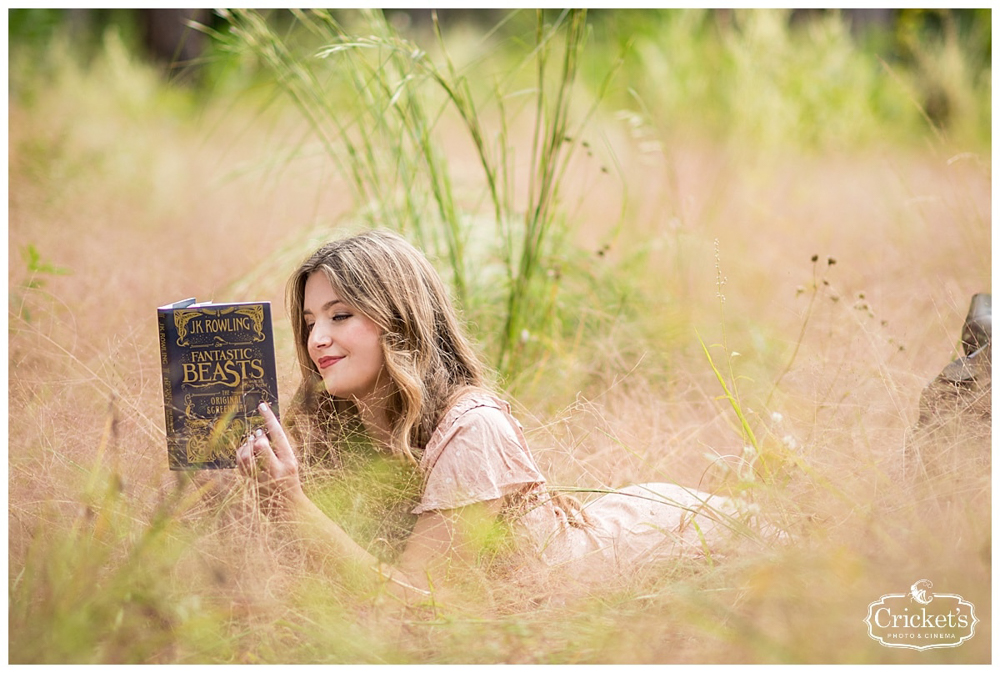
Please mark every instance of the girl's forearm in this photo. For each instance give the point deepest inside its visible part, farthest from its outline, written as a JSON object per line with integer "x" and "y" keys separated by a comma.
{"x": 321, "y": 533}
{"x": 275, "y": 470}
{"x": 327, "y": 540}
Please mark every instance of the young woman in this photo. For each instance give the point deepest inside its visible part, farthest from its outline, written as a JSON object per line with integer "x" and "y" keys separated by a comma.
{"x": 382, "y": 353}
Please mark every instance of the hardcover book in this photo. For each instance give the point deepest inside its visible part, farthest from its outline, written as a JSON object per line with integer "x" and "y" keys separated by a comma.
{"x": 218, "y": 366}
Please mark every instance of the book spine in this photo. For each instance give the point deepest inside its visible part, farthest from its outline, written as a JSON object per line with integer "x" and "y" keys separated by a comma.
{"x": 168, "y": 396}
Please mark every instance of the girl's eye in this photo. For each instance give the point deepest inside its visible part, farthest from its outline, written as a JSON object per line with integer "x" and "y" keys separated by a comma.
{"x": 340, "y": 316}
{"x": 309, "y": 326}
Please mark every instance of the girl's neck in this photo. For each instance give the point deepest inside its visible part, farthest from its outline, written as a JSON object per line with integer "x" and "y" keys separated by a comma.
{"x": 376, "y": 422}
{"x": 374, "y": 410}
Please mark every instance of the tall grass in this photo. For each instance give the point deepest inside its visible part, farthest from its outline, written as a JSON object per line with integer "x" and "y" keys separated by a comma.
{"x": 804, "y": 404}
{"x": 375, "y": 103}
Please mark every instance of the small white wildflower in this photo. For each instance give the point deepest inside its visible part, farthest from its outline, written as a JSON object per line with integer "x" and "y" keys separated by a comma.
{"x": 746, "y": 508}
{"x": 525, "y": 336}
{"x": 735, "y": 354}
{"x": 776, "y": 417}
{"x": 719, "y": 462}
{"x": 790, "y": 442}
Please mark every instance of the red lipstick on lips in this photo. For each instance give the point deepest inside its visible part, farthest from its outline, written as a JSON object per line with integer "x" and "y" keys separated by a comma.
{"x": 327, "y": 361}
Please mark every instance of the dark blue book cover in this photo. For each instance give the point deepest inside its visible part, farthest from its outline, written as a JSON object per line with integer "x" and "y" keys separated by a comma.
{"x": 218, "y": 366}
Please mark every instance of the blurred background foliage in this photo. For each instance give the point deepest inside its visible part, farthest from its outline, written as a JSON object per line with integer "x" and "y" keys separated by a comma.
{"x": 820, "y": 78}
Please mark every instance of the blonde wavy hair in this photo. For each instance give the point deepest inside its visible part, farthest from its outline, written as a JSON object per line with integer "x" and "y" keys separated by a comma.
{"x": 428, "y": 358}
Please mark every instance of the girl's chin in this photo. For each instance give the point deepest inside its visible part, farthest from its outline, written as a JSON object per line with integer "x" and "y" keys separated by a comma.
{"x": 323, "y": 389}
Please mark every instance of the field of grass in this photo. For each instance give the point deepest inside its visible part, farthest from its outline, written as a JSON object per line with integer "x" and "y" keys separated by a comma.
{"x": 786, "y": 201}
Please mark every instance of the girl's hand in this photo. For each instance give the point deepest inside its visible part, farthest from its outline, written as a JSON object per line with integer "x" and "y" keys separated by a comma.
{"x": 267, "y": 459}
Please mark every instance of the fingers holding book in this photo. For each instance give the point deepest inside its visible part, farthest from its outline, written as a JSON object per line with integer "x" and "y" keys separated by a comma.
{"x": 250, "y": 460}
{"x": 266, "y": 458}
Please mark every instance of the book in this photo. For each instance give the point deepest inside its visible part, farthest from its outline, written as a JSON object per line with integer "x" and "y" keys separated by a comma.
{"x": 218, "y": 366}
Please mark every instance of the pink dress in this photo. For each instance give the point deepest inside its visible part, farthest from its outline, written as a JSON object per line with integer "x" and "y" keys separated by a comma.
{"x": 478, "y": 453}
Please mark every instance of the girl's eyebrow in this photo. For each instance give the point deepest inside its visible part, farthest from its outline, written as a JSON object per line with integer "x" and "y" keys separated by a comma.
{"x": 326, "y": 306}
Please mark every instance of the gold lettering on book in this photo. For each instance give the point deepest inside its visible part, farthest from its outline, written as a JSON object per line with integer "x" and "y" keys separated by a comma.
{"x": 222, "y": 354}
{"x": 229, "y": 373}
{"x": 209, "y": 440}
{"x": 212, "y": 325}
{"x": 214, "y": 322}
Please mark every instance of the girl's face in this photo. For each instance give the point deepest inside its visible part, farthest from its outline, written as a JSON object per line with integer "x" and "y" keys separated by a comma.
{"x": 344, "y": 345}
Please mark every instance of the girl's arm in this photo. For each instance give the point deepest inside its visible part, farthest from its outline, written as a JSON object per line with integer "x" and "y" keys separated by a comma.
{"x": 436, "y": 541}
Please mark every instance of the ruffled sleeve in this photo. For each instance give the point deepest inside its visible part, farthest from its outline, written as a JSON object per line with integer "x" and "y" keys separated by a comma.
{"x": 477, "y": 453}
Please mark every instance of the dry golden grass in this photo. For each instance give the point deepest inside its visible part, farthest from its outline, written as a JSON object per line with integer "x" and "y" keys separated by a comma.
{"x": 142, "y": 209}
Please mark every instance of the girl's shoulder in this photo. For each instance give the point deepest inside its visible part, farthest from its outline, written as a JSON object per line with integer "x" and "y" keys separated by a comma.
{"x": 473, "y": 398}
{"x": 477, "y": 453}
{"x": 469, "y": 400}
{"x": 478, "y": 401}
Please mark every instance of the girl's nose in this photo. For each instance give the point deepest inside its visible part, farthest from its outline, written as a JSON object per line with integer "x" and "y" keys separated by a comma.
{"x": 319, "y": 336}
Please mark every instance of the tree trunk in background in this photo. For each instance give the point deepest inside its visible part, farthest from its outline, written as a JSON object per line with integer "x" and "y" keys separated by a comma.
{"x": 171, "y": 41}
